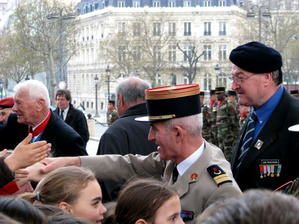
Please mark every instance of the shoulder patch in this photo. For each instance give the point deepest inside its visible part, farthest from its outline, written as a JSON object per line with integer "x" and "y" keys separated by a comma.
{"x": 218, "y": 175}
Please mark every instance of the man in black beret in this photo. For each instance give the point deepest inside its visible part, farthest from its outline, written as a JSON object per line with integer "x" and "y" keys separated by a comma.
{"x": 266, "y": 155}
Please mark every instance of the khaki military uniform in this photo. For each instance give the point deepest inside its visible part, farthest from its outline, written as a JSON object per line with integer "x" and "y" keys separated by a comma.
{"x": 196, "y": 188}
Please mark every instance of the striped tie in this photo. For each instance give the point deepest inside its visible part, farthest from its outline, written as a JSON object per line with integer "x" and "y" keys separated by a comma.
{"x": 248, "y": 137}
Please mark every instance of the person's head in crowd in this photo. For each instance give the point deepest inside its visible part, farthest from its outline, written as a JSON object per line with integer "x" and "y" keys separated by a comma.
{"x": 6, "y": 220}
{"x": 213, "y": 97}
{"x": 6, "y": 105}
{"x": 63, "y": 98}
{"x": 147, "y": 201}
{"x": 21, "y": 210}
{"x": 256, "y": 73}
{"x": 220, "y": 93}
{"x": 32, "y": 102}
{"x": 255, "y": 206}
{"x": 111, "y": 105}
{"x": 130, "y": 92}
{"x": 73, "y": 189}
{"x": 232, "y": 96}
{"x": 176, "y": 121}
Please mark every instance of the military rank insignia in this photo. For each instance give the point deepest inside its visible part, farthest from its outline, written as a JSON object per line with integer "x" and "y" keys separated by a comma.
{"x": 218, "y": 175}
{"x": 269, "y": 168}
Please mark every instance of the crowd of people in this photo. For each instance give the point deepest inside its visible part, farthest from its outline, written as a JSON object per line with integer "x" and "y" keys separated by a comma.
{"x": 168, "y": 156}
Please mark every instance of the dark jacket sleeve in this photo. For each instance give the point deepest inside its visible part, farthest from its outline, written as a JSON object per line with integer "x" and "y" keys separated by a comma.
{"x": 5, "y": 173}
{"x": 82, "y": 127}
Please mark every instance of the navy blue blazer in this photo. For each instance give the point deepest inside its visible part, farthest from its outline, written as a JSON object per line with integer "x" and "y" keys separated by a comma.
{"x": 273, "y": 158}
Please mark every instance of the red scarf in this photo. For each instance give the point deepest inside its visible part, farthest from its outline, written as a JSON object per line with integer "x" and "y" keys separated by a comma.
{"x": 41, "y": 127}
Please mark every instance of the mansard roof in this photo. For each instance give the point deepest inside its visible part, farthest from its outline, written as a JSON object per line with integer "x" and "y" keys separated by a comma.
{"x": 86, "y": 6}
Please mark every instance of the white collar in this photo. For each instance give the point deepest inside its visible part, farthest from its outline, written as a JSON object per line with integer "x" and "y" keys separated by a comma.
{"x": 65, "y": 112}
{"x": 190, "y": 160}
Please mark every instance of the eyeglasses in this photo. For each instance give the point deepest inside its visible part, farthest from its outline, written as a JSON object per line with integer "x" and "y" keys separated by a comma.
{"x": 240, "y": 80}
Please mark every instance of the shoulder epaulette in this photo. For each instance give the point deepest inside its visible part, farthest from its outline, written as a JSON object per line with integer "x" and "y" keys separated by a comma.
{"x": 218, "y": 175}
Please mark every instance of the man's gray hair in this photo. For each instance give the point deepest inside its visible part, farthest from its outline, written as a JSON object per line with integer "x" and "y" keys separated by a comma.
{"x": 35, "y": 89}
{"x": 193, "y": 124}
{"x": 276, "y": 77}
{"x": 132, "y": 89}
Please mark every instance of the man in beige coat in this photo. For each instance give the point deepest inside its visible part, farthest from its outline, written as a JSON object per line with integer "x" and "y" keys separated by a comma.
{"x": 189, "y": 164}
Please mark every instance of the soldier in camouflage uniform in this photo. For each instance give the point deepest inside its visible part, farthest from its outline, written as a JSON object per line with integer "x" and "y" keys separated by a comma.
{"x": 112, "y": 114}
{"x": 227, "y": 123}
{"x": 212, "y": 117}
{"x": 232, "y": 99}
{"x": 206, "y": 126}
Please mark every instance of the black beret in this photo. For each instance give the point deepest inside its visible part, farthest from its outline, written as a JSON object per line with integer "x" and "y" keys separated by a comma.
{"x": 220, "y": 90}
{"x": 231, "y": 93}
{"x": 202, "y": 93}
{"x": 212, "y": 92}
{"x": 256, "y": 57}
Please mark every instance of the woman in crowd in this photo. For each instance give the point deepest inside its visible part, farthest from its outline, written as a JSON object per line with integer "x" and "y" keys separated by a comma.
{"x": 73, "y": 189}
{"x": 147, "y": 201}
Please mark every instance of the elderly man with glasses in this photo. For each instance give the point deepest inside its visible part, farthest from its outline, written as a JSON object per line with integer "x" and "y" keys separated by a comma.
{"x": 266, "y": 155}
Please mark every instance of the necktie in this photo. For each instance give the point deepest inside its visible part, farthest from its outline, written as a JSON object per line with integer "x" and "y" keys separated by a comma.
{"x": 248, "y": 137}
{"x": 61, "y": 114}
{"x": 175, "y": 174}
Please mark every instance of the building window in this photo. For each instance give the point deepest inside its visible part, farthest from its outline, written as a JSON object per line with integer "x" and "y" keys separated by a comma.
{"x": 187, "y": 3}
{"x": 222, "y": 28}
{"x": 207, "y": 52}
{"x": 96, "y": 6}
{"x": 156, "y": 4}
{"x": 222, "y": 55}
{"x": 121, "y": 4}
{"x": 221, "y": 3}
{"x": 171, "y": 4}
{"x": 171, "y": 29}
{"x": 207, "y": 28}
{"x": 157, "y": 54}
{"x": 136, "y": 29}
{"x": 136, "y": 4}
{"x": 187, "y": 53}
{"x": 121, "y": 27}
{"x": 187, "y": 29}
{"x": 207, "y": 3}
{"x": 136, "y": 53}
{"x": 121, "y": 53}
{"x": 157, "y": 29}
{"x": 172, "y": 53}
{"x": 207, "y": 82}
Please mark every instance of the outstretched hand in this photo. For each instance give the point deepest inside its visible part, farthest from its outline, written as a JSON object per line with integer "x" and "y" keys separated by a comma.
{"x": 54, "y": 163}
{"x": 26, "y": 153}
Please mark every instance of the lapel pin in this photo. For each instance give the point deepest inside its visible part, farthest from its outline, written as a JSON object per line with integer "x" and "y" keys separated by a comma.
{"x": 194, "y": 176}
{"x": 258, "y": 145}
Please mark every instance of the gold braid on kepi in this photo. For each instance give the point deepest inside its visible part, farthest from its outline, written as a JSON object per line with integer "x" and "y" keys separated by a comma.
{"x": 169, "y": 102}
